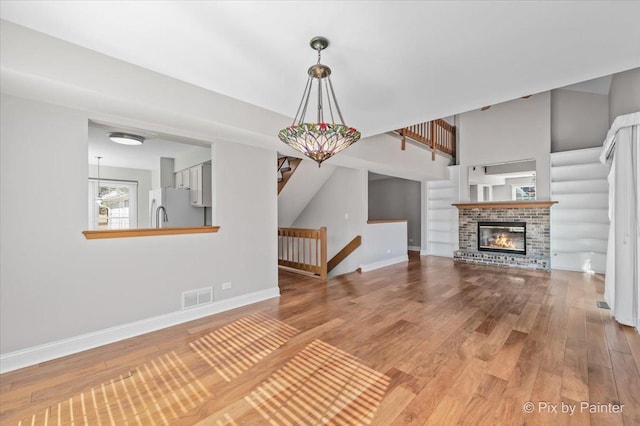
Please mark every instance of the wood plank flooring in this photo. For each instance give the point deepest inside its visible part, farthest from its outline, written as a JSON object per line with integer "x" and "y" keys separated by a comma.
{"x": 429, "y": 342}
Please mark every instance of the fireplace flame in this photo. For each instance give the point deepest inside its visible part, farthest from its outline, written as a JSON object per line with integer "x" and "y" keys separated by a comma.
{"x": 502, "y": 241}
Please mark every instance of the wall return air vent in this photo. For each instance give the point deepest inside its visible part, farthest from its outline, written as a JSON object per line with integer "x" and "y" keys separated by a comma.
{"x": 193, "y": 298}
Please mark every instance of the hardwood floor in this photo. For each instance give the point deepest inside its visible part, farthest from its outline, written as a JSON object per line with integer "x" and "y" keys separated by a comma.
{"x": 432, "y": 342}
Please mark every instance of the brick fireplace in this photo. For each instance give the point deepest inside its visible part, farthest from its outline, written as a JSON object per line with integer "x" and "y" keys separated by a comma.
{"x": 511, "y": 233}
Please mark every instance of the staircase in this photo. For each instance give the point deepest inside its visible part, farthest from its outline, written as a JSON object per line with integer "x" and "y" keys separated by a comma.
{"x": 286, "y": 168}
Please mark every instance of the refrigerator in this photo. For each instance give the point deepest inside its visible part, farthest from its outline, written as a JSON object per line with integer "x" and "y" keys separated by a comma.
{"x": 177, "y": 204}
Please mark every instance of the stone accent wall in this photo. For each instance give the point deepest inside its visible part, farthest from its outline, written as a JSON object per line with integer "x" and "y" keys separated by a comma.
{"x": 538, "y": 236}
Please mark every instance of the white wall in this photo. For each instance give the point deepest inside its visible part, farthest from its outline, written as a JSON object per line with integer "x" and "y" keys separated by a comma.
{"x": 143, "y": 177}
{"x": 155, "y": 178}
{"x": 510, "y": 131}
{"x": 55, "y": 284}
{"x": 396, "y": 198}
{"x": 167, "y": 176}
{"x": 383, "y": 244}
{"x": 501, "y": 193}
{"x": 505, "y": 192}
{"x": 301, "y": 187}
{"x": 193, "y": 156}
{"x": 341, "y": 206}
{"x": 578, "y": 120}
{"x": 383, "y": 154}
{"x": 624, "y": 96}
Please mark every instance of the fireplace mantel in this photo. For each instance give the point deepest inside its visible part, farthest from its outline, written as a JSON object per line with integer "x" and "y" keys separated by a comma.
{"x": 506, "y": 205}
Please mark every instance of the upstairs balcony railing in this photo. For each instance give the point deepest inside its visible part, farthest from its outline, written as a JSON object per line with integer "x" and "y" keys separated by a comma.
{"x": 437, "y": 135}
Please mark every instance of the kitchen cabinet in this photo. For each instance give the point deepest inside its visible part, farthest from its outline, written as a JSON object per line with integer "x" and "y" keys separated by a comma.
{"x": 197, "y": 180}
{"x": 183, "y": 179}
{"x": 200, "y": 180}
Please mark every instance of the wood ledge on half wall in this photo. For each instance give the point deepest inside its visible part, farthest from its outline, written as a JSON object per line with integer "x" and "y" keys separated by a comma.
{"x": 147, "y": 232}
{"x": 373, "y": 221}
{"x": 506, "y": 205}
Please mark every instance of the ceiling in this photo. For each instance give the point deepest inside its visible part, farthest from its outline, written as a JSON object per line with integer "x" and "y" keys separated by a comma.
{"x": 394, "y": 63}
{"x": 145, "y": 156}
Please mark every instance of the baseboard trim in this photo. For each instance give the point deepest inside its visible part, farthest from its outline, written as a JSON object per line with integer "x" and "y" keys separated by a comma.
{"x": 426, "y": 253}
{"x": 382, "y": 263}
{"x": 48, "y": 351}
{"x": 560, "y": 268}
{"x": 413, "y": 248}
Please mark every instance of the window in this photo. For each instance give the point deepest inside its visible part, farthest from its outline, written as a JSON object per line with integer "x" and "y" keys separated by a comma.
{"x": 524, "y": 192}
{"x": 114, "y": 205}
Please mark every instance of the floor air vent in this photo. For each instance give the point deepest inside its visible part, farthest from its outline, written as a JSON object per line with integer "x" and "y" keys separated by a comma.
{"x": 198, "y": 297}
{"x": 602, "y": 305}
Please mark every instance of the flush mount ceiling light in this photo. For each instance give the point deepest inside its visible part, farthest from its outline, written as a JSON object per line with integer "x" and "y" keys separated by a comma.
{"x": 126, "y": 138}
{"x": 320, "y": 140}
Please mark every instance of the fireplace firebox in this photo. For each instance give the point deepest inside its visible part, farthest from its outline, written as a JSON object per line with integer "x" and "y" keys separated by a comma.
{"x": 503, "y": 237}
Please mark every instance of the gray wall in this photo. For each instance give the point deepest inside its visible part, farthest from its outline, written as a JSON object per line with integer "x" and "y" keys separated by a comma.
{"x": 624, "y": 97}
{"x": 578, "y": 120}
{"x": 396, "y": 198}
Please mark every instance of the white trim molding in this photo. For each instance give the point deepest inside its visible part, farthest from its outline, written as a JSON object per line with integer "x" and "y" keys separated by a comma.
{"x": 382, "y": 263}
{"x": 48, "y": 351}
{"x": 413, "y": 248}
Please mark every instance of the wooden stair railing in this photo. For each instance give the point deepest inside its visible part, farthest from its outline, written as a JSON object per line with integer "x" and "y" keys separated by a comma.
{"x": 437, "y": 135}
{"x": 303, "y": 250}
{"x": 342, "y": 254}
{"x": 293, "y": 163}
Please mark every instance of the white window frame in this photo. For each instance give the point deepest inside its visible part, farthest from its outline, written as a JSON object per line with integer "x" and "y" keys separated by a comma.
{"x": 93, "y": 198}
{"x": 514, "y": 190}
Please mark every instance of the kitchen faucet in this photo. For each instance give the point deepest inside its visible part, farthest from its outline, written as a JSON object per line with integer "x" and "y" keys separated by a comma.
{"x": 165, "y": 217}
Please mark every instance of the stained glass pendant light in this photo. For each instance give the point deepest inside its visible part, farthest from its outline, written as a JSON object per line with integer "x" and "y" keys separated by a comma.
{"x": 325, "y": 137}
